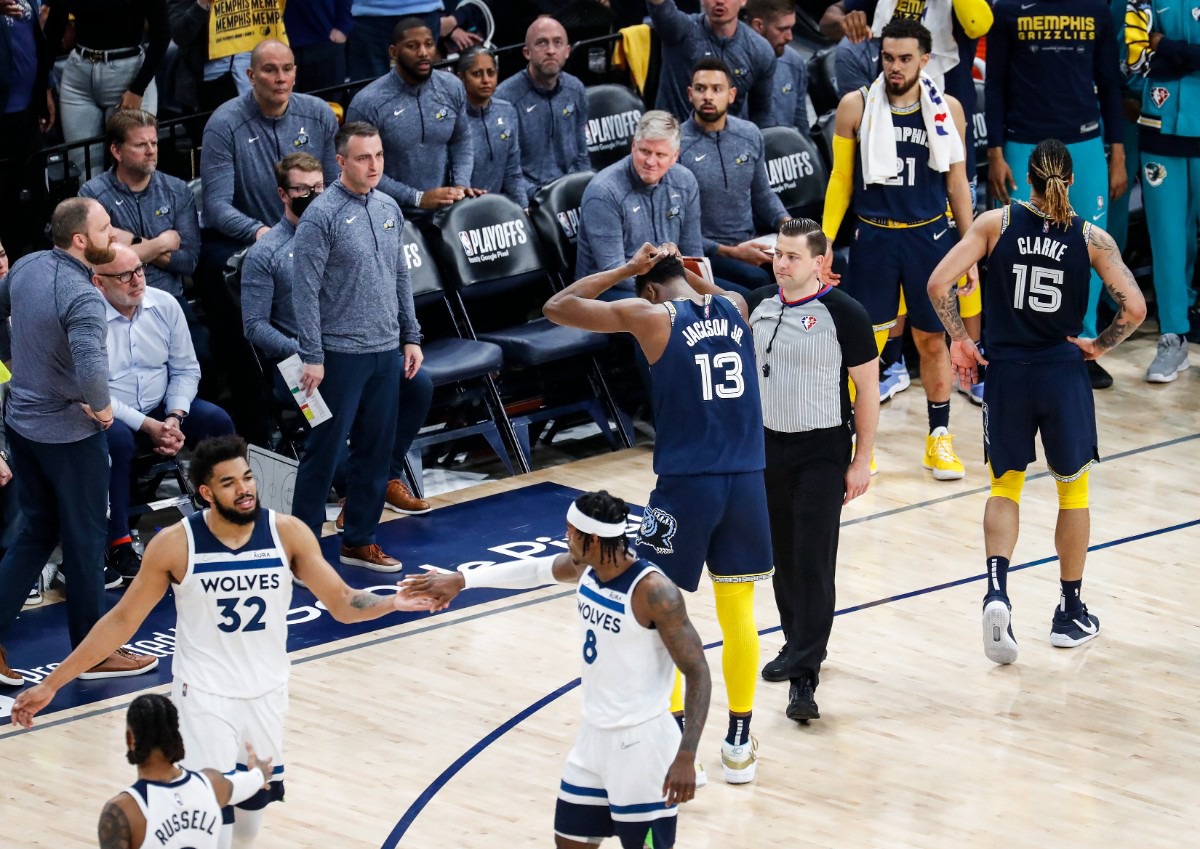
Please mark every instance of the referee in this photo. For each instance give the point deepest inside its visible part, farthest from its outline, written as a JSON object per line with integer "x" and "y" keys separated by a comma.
{"x": 808, "y": 339}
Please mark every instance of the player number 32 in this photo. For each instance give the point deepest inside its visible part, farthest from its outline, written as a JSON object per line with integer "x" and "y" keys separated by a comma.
{"x": 249, "y": 619}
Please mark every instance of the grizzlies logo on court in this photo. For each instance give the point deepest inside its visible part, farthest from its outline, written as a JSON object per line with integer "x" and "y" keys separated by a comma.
{"x": 657, "y": 530}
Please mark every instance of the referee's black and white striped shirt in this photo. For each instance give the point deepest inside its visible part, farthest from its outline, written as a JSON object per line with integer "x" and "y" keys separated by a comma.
{"x": 804, "y": 350}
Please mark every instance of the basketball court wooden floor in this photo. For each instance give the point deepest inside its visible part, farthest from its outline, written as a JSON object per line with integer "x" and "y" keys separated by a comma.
{"x": 450, "y": 731}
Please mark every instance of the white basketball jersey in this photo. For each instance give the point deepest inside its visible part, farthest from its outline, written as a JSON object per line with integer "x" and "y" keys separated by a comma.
{"x": 627, "y": 673}
{"x": 231, "y": 635}
{"x": 181, "y": 814}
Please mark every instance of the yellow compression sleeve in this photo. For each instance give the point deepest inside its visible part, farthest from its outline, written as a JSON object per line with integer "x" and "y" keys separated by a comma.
{"x": 1008, "y": 485}
{"x": 1073, "y": 495}
{"x": 974, "y": 15}
{"x": 739, "y": 655}
{"x": 841, "y": 185}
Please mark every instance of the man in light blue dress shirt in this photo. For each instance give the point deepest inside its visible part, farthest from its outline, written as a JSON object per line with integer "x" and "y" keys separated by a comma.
{"x": 152, "y": 379}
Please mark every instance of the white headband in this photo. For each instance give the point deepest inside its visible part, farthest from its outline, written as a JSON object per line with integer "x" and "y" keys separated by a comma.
{"x": 587, "y": 525}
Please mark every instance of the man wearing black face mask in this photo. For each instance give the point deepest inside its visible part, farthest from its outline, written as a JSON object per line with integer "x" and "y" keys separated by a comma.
{"x": 267, "y": 316}
{"x": 269, "y": 320}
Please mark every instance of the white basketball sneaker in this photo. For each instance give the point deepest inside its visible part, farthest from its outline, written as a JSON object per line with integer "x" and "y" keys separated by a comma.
{"x": 740, "y": 762}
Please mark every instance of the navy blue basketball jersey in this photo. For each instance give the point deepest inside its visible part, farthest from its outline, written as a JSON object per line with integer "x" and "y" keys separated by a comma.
{"x": 917, "y": 192}
{"x": 1037, "y": 287}
{"x": 707, "y": 415}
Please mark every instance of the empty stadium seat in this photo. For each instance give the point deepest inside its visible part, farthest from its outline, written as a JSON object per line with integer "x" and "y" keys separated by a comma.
{"x": 822, "y": 134}
{"x": 453, "y": 362}
{"x": 554, "y": 212}
{"x": 796, "y": 171}
{"x": 489, "y": 245}
{"x": 613, "y": 114}
{"x": 822, "y": 80}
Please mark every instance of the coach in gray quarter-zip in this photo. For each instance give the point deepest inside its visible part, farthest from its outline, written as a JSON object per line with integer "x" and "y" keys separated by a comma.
{"x": 422, "y": 117}
{"x": 645, "y": 197}
{"x": 552, "y": 106}
{"x": 354, "y": 308}
{"x": 246, "y": 136}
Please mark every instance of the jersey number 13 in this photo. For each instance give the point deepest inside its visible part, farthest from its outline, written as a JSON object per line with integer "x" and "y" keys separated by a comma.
{"x": 731, "y": 385}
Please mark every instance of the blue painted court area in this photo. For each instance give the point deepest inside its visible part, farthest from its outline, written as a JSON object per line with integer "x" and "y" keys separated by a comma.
{"x": 523, "y": 523}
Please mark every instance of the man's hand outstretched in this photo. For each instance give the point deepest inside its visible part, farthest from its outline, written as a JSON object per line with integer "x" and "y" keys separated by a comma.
{"x": 436, "y": 588}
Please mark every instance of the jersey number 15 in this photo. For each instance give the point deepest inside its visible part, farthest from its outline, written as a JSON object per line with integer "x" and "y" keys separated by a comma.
{"x": 1044, "y": 288}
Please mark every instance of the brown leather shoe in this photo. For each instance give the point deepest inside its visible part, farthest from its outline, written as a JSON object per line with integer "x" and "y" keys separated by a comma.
{"x": 400, "y": 499}
{"x": 340, "y": 521}
{"x": 121, "y": 664}
{"x": 8, "y": 675}
{"x": 369, "y": 557}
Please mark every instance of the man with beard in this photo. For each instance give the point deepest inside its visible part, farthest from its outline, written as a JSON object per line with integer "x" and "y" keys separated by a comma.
{"x": 152, "y": 212}
{"x": 422, "y": 117}
{"x": 153, "y": 375}
{"x": 230, "y": 568}
{"x": 551, "y": 106}
{"x": 728, "y": 159}
{"x": 58, "y": 411}
{"x": 716, "y": 31}
{"x": 898, "y": 153}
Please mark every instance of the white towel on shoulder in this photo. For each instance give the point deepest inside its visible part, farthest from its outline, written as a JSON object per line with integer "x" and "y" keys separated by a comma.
{"x": 877, "y": 137}
{"x": 938, "y": 18}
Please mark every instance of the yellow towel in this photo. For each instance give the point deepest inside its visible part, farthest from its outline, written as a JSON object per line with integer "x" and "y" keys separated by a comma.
{"x": 633, "y": 52}
{"x": 5, "y": 374}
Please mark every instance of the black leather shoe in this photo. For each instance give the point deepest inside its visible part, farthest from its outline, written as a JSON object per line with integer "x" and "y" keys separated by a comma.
{"x": 1100, "y": 378}
{"x": 802, "y": 703}
{"x": 776, "y": 670}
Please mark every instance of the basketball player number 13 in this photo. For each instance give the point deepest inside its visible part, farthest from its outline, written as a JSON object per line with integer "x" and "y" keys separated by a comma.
{"x": 1045, "y": 288}
{"x": 732, "y": 386}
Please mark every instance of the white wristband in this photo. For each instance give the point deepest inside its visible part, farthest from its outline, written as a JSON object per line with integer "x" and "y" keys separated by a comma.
{"x": 517, "y": 575}
{"x": 245, "y": 785}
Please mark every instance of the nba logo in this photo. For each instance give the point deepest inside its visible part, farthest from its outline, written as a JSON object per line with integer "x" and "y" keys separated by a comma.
{"x": 808, "y": 322}
{"x": 465, "y": 239}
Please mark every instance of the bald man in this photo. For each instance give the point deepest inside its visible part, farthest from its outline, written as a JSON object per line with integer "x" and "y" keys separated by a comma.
{"x": 551, "y": 105}
{"x": 244, "y": 139}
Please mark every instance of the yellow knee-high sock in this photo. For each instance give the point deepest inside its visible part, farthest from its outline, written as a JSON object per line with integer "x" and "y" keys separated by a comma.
{"x": 739, "y": 656}
{"x": 881, "y": 338}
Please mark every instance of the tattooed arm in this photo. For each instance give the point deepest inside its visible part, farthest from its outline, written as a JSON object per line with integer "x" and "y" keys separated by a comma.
{"x": 1121, "y": 285}
{"x": 114, "y": 830}
{"x": 657, "y": 602}
{"x": 345, "y": 603}
{"x": 972, "y": 247}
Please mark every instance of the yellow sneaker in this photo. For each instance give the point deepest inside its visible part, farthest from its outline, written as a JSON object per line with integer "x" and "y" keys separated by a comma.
{"x": 940, "y": 457}
{"x": 854, "y": 448}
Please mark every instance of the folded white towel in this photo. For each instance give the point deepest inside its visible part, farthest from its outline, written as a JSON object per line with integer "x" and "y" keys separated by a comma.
{"x": 877, "y": 137}
{"x": 938, "y": 18}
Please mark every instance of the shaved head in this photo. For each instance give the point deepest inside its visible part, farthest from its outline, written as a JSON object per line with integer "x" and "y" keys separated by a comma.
{"x": 271, "y": 49}
{"x": 544, "y": 26}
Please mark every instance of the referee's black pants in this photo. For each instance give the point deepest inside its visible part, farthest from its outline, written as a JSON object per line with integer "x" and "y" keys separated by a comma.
{"x": 805, "y": 479}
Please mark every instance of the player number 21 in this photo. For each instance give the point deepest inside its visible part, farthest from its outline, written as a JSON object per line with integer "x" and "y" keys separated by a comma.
{"x": 732, "y": 386}
{"x": 1045, "y": 288}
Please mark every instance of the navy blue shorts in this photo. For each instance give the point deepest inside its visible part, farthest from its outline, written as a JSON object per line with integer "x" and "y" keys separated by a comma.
{"x": 720, "y": 520}
{"x": 883, "y": 260}
{"x": 1021, "y": 400}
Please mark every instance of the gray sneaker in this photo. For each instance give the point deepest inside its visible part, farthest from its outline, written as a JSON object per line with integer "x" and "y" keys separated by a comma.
{"x": 1171, "y": 359}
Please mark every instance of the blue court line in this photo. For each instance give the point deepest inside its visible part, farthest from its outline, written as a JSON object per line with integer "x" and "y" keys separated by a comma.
{"x": 10, "y": 731}
{"x": 422, "y": 801}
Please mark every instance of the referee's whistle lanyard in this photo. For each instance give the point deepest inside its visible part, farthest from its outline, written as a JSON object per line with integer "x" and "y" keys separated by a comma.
{"x": 785, "y": 304}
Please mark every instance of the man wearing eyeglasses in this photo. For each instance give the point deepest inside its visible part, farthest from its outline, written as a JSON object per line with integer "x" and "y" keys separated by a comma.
{"x": 57, "y": 412}
{"x": 269, "y": 322}
{"x": 153, "y": 375}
